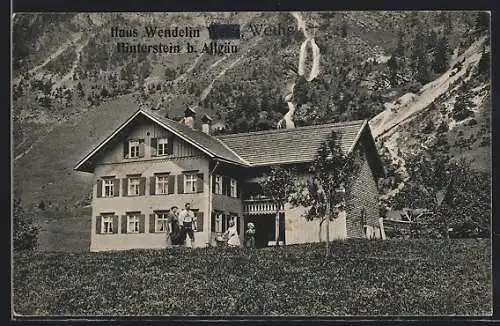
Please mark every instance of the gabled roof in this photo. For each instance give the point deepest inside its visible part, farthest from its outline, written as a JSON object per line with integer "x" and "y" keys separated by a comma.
{"x": 282, "y": 146}
{"x": 209, "y": 145}
{"x": 261, "y": 148}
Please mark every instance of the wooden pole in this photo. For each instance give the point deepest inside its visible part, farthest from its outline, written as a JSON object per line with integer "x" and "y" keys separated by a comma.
{"x": 327, "y": 225}
{"x": 277, "y": 227}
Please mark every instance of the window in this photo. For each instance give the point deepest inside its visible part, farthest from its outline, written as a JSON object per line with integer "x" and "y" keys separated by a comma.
{"x": 218, "y": 222}
{"x": 190, "y": 181}
{"x": 218, "y": 184}
{"x": 234, "y": 189}
{"x": 132, "y": 224}
{"x": 134, "y": 186}
{"x": 107, "y": 224}
{"x": 161, "y": 184}
{"x": 133, "y": 148}
{"x": 161, "y": 222}
{"x": 162, "y": 146}
{"x": 108, "y": 188}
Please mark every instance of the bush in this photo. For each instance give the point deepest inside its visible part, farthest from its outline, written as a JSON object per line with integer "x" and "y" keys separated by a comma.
{"x": 25, "y": 229}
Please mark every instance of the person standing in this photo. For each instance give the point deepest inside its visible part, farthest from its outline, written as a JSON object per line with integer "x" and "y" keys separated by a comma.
{"x": 250, "y": 235}
{"x": 187, "y": 220}
{"x": 174, "y": 232}
{"x": 233, "y": 240}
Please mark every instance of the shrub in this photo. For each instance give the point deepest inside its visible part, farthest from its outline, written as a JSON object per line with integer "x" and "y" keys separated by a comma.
{"x": 25, "y": 229}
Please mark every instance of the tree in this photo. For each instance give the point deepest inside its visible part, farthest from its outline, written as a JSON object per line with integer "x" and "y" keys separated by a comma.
{"x": 25, "y": 231}
{"x": 277, "y": 185}
{"x": 457, "y": 195}
{"x": 441, "y": 58}
{"x": 482, "y": 22}
{"x": 333, "y": 173}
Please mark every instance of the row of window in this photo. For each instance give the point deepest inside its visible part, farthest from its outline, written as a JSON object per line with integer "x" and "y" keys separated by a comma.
{"x": 134, "y": 148}
{"x": 134, "y": 222}
{"x": 164, "y": 184}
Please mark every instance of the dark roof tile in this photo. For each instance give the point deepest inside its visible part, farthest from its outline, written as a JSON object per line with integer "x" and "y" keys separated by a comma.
{"x": 289, "y": 145}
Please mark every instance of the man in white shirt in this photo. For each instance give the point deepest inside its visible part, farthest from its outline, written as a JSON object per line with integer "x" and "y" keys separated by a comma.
{"x": 187, "y": 220}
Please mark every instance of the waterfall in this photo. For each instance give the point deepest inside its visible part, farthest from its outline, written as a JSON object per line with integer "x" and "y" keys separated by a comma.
{"x": 287, "y": 121}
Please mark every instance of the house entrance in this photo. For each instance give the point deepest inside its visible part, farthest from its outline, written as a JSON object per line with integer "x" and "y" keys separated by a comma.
{"x": 265, "y": 228}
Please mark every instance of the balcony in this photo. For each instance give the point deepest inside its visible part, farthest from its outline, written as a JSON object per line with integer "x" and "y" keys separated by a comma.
{"x": 260, "y": 206}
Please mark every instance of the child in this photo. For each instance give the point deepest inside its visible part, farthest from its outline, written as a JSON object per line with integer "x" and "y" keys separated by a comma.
{"x": 233, "y": 240}
{"x": 250, "y": 235}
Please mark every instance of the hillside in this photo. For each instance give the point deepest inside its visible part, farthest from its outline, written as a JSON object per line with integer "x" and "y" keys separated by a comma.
{"x": 421, "y": 78}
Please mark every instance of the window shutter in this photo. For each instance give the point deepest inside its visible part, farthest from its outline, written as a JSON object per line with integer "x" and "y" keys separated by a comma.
{"x": 99, "y": 188}
{"x": 115, "y": 223}
{"x": 214, "y": 179}
{"x": 199, "y": 221}
{"x": 152, "y": 185}
{"x": 142, "y": 186}
{"x": 180, "y": 183}
{"x": 171, "y": 184}
{"x": 225, "y": 186}
{"x": 125, "y": 149}
{"x": 212, "y": 222}
{"x": 142, "y": 221}
{"x": 141, "y": 147}
{"x": 124, "y": 223}
{"x": 199, "y": 182}
{"x": 98, "y": 224}
{"x": 125, "y": 187}
{"x": 238, "y": 193}
{"x": 154, "y": 146}
{"x": 116, "y": 187}
{"x": 152, "y": 223}
{"x": 170, "y": 145}
{"x": 237, "y": 218}
{"x": 224, "y": 222}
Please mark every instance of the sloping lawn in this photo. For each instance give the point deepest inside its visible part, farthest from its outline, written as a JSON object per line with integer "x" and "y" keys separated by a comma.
{"x": 393, "y": 277}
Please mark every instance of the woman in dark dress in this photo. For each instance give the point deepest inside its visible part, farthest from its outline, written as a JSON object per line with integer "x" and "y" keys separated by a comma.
{"x": 175, "y": 231}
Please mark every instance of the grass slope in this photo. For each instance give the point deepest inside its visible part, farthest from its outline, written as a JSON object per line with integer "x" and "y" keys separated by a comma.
{"x": 361, "y": 278}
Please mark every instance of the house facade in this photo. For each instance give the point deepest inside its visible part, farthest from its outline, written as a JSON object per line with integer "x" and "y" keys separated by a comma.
{"x": 151, "y": 163}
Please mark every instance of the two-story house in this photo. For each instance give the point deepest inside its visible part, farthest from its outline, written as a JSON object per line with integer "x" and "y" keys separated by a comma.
{"x": 151, "y": 163}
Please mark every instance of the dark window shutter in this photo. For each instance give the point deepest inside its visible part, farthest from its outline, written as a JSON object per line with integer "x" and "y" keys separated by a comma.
{"x": 142, "y": 186}
{"x": 224, "y": 224}
{"x": 125, "y": 149}
{"x": 180, "y": 183}
{"x": 116, "y": 187}
{"x": 142, "y": 221}
{"x": 238, "y": 191}
{"x": 115, "y": 223}
{"x": 124, "y": 223}
{"x": 98, "y": 220}
{"x": 152, "y": 223}
{"x": 199, "y": 182}
{"x": 199, "y": 221}
{"x": 141, "y": 147}
{"x": 152, "y": 185}
{"x": 214, "y": 179}
{"x": 170, "y": 145}
{"x": 225, "y": 186}
{"x": 125, "y": 187}
{"x": 99, "y": 188}
{"x": 171, "y": 184}
{"x": 154, "y": 146}
{"x": 212, "y": 222}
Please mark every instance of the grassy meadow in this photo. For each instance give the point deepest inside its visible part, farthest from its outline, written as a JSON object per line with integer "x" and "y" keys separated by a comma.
{"x": 393, "y": 277}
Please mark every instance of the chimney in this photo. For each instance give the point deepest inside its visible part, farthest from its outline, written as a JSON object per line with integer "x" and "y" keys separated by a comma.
{"x": 189, "y": 117}
{"x": 206, "y": 124}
